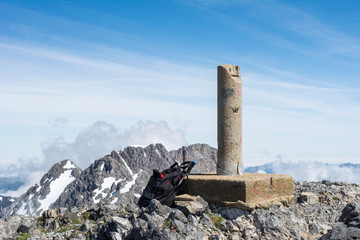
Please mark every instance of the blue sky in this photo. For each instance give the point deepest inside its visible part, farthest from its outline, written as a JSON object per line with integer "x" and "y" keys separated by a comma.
{"x": 78, "y": 78}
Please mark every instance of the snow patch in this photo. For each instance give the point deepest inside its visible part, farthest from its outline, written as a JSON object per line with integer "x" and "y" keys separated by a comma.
{"x": 22, "y": 210}
{"x": 57, "y": 186}
{"x": 158, "y": 152}
{"x": 141, "y": 146}
{"x": 145, "y": 154}
{"x": 128, "y": 185}
{"x": 12, "y": 200}
{"x": 69, "y": 165}
{"x": 0, "y": 198}
{"x": 127, "y": 167}
{"x": 137, "y": 195}
{"x": 107, "y": 183}
{"x": 46, "y": 180}
{"x": 114, "y": 200}
{"x": 102, "y": 167}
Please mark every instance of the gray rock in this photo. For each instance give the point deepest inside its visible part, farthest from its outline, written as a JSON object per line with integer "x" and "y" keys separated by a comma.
{"x": 235, "y": 237}
{"x": 348, "y": 226}
{"x": 269, "y": 221}
{"x": 158, "y": 208}
{"x": 206, "y": 221}
{"x": 178, "y": 225}
{"x": 193, "y": 220}
{"x": 178, "y": 215}
{"x": 198, "y": 206}
{"x": 5, "y": 230}
{"x": 78, "y": 236}
{"x": 232, "y": 213}
{"x": 340, "y": 231}
{"x": 61, "y": 211}
{"x": 85, "y": 227}
{"x": 25, "y": 225}
{"x": 308, "y": 197}
{"x": 351, "y": 215}
{"x": 69, "y": 217}
{"x": 51, "y": 225}
{"x": 74, "y": 209}
{"x": 50, "y": 213}
{"x": 116, "y": 228}
{"x": 230, "y": 226}
{"x": 314, "y": 228}
{"x": 326, "y": 182}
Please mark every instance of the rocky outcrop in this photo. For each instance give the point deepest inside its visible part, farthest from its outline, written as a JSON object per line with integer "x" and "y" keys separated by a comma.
{"x": 332, "y": 214}
{"x": 101, "y": 203}
{"x": 348, "y": 225}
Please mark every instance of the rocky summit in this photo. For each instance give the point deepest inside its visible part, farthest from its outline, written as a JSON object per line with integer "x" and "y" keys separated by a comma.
{"x": 323, "y": 210}
{"x": 100, "y": 202}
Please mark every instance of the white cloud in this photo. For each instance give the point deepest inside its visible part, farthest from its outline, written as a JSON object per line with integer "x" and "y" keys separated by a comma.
{"x": 155, "y": 132}
{"x": 101, "y": 138}
{"x": 91, "y": 143}
{"x": 314, "y": 171}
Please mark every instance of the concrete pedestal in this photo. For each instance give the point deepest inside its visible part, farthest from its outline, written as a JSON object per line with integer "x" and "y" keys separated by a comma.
{"x": 249, "y": 191}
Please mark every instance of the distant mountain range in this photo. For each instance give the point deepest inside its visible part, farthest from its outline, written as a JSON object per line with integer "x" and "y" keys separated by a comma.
{"x": 5, "y": 202}
{"x": 117, "y": 177}
{"x": 121, "y": 176}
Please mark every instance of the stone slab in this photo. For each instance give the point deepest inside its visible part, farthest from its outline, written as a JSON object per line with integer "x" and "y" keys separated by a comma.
{"x": 249, "y": 191}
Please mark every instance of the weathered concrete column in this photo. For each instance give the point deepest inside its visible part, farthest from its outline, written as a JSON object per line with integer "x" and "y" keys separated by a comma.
{"x": 229, "y": 121}
{"x": 230, "y": 187}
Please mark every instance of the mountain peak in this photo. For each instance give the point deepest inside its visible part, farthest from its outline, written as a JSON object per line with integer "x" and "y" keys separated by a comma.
{"x": 117, "y": 177}
{"x": 40, "y": 196}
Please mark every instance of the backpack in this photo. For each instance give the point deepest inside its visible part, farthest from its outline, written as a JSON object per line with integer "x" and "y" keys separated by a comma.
{"x": 163, "y": 186}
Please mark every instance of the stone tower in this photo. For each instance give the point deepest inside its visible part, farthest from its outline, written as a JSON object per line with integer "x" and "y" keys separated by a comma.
{"x": 229, "y": 130}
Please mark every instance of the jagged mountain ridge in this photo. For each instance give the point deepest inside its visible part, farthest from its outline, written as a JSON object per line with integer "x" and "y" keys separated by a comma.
{"x": 40, "y": 196}
{"x": 122, "y": 176}
{"x": 117, "y": 177}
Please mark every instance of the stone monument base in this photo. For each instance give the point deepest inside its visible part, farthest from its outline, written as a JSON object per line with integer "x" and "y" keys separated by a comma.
{"x": 249, "y": 191}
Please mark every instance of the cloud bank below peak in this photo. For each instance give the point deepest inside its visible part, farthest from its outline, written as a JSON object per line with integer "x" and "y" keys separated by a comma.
{"x": 312, "y": 171}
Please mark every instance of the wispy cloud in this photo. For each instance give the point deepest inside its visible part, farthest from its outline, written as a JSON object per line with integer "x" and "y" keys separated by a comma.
{"x": 305, "y": 33}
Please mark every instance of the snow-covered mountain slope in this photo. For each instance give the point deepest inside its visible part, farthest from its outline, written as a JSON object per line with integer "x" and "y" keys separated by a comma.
{"x": 5, "y": 201}
{"x": 39, "y": 197}
{"x": 103, "y": 181}
{"x": 116, "y": 178}
{"x": 122, "y": 175}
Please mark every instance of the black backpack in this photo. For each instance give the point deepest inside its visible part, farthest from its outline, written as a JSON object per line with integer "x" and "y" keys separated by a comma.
{"x": 164, "y": 185}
